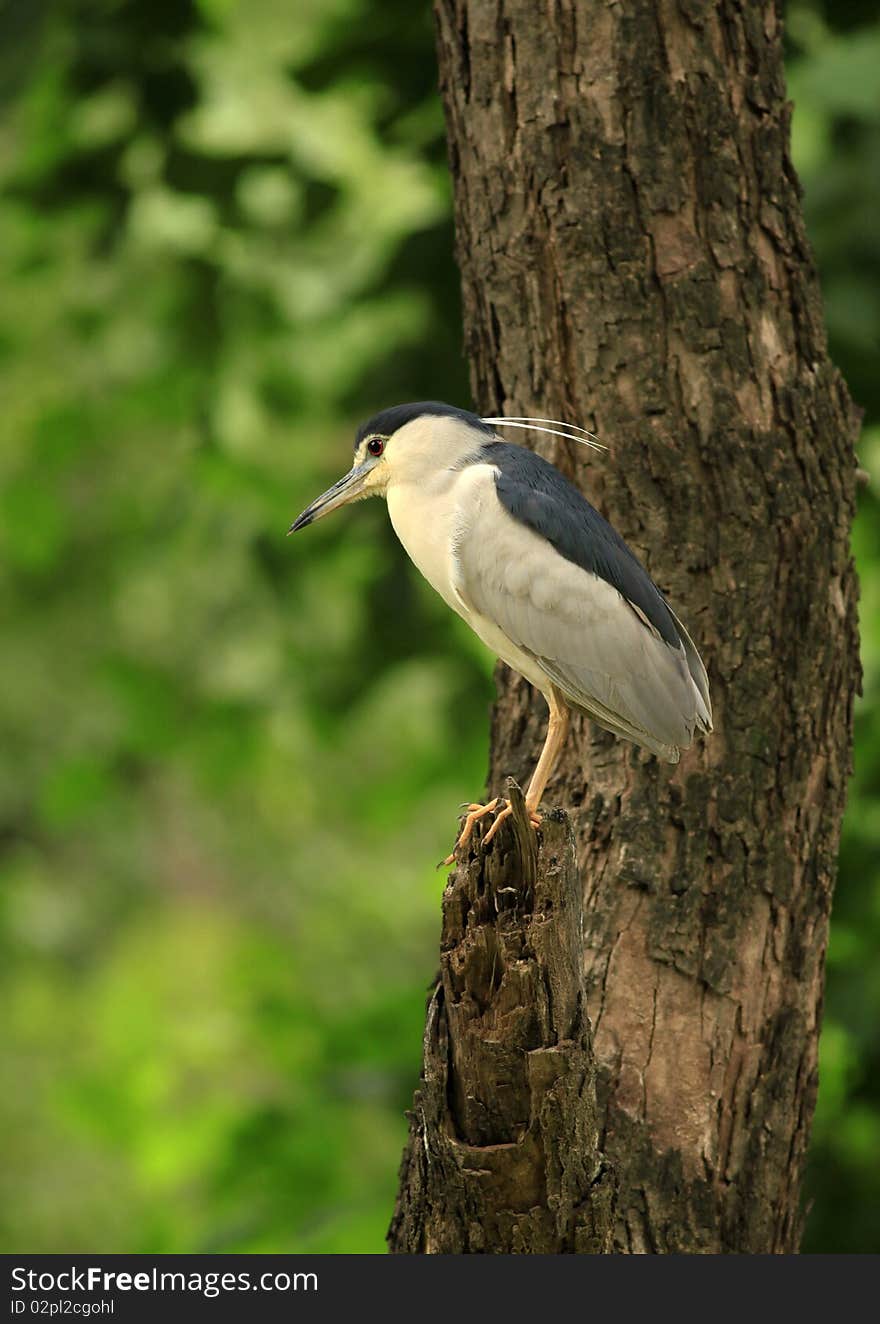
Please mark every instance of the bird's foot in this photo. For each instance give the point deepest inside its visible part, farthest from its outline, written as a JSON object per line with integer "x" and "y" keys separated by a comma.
{"x": 474, "y": 813}
{"x": 534, "y": 819}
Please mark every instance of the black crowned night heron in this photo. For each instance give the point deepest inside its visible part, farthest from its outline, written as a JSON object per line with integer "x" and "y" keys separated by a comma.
{"x": 537, "y": 573}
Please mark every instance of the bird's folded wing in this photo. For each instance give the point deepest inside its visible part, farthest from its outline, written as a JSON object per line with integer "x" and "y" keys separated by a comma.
{"x": 590, "y": 640}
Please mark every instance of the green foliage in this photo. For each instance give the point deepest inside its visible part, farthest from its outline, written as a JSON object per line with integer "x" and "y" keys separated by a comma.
{"x": 226, "y": 237}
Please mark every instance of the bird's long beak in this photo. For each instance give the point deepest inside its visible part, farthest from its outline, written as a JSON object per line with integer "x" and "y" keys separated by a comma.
{"x": 349, "y": 488}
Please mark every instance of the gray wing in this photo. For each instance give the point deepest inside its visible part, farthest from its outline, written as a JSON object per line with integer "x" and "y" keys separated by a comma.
{"x": 597, "y": 647}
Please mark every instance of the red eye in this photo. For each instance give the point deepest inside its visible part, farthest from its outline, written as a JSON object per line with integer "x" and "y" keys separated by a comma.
{"x": 375, "y": 445}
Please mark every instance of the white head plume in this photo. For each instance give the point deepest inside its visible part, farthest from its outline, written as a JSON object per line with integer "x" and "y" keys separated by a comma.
{"x": 560, "y": 429}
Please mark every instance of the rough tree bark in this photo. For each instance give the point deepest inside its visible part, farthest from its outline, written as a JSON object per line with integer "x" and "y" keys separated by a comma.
{"x": 633, "y": 258}
{"x": 503, "y": 1152}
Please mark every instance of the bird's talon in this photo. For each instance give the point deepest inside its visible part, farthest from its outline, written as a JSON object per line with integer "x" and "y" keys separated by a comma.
{"x": 534, "y": 818}
{"x": 474, "y": 813}
{"x": 505, "y": 813}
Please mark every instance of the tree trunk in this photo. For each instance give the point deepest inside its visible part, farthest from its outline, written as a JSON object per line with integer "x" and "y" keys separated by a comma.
{"x": 503, "y": 1147}
{"x": 633, "y": 258}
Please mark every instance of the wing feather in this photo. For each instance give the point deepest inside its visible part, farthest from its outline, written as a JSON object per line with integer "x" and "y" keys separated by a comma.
{"x": 594, "y": 645}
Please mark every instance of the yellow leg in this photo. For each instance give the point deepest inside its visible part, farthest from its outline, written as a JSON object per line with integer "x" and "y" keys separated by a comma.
{"x": 557, "y": 731}
{"x": 474, "y": 814}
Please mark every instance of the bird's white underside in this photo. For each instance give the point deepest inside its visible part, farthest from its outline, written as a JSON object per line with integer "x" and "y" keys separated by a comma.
{"x": 546, "y": 617}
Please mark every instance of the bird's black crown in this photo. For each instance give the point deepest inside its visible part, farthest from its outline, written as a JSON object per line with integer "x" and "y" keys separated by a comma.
{"x": 388, "y": 421}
